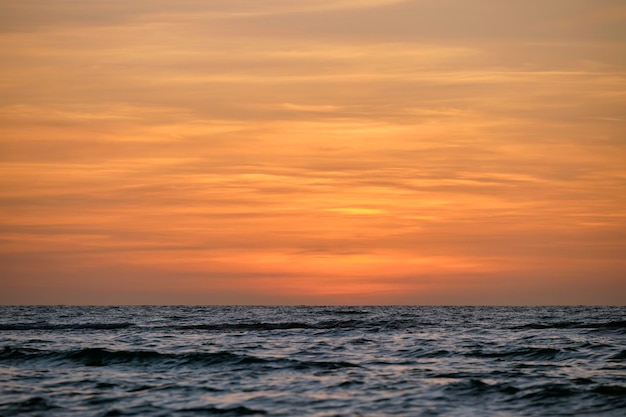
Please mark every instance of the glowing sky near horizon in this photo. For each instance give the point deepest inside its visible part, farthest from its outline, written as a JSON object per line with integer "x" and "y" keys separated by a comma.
{"x": 313, "y": 152}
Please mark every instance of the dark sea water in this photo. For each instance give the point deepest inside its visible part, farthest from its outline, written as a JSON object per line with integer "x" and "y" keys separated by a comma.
{"x": 312, "y": 361}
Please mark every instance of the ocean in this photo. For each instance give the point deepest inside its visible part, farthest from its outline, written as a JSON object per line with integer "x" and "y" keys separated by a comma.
{"x": 312, "y": 361}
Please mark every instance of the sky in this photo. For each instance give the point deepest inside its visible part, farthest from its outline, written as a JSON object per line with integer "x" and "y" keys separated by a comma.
{"x": 455, "y": 152}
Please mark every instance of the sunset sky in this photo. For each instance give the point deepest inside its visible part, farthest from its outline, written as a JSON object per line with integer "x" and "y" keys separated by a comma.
{"x": 313, "y": 152}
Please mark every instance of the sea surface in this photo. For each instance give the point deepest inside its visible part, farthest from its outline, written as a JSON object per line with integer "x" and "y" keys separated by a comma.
{"x": 312, "y": 361}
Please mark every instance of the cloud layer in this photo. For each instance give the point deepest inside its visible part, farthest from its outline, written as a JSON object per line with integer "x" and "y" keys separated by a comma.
{"x": 413, "y": 152}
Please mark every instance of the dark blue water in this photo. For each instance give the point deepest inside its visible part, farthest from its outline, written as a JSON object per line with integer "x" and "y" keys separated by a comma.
{"x": 312, "y": 361}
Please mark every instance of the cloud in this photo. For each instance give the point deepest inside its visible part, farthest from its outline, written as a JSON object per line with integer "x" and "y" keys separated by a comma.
{"x": 311, "y": 151}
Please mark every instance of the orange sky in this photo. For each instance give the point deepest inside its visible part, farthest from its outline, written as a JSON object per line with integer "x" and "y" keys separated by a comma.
{"x": 313, "y": 152}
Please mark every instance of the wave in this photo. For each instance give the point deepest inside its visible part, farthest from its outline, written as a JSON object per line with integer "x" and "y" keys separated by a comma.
{"x": 349, "y": 311}
{"x": 473, "y": 387}
{"x": 612, "y": 325}
{"x": 371, "y": 325}
{"x": 67, "y": 326}
{"x": 30, "y": 405}
{"x": 612, "y": 396}
{"x": 193, "y": 411}
{"x": 619, "y": 356}
{"x": 232, "y": 411}
{"x": 345, "y": 324}
{"x": 245, "y": 326}
{"x": 356, "y": 324}
{"x": 525, "y": 354}
{"x": 106, "y": 357}
{"x": 612, "y": 390}
{"x": 368, "y": 325}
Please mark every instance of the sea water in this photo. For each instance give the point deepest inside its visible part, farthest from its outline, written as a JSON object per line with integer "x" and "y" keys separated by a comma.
{"x": 312, "y": 361}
